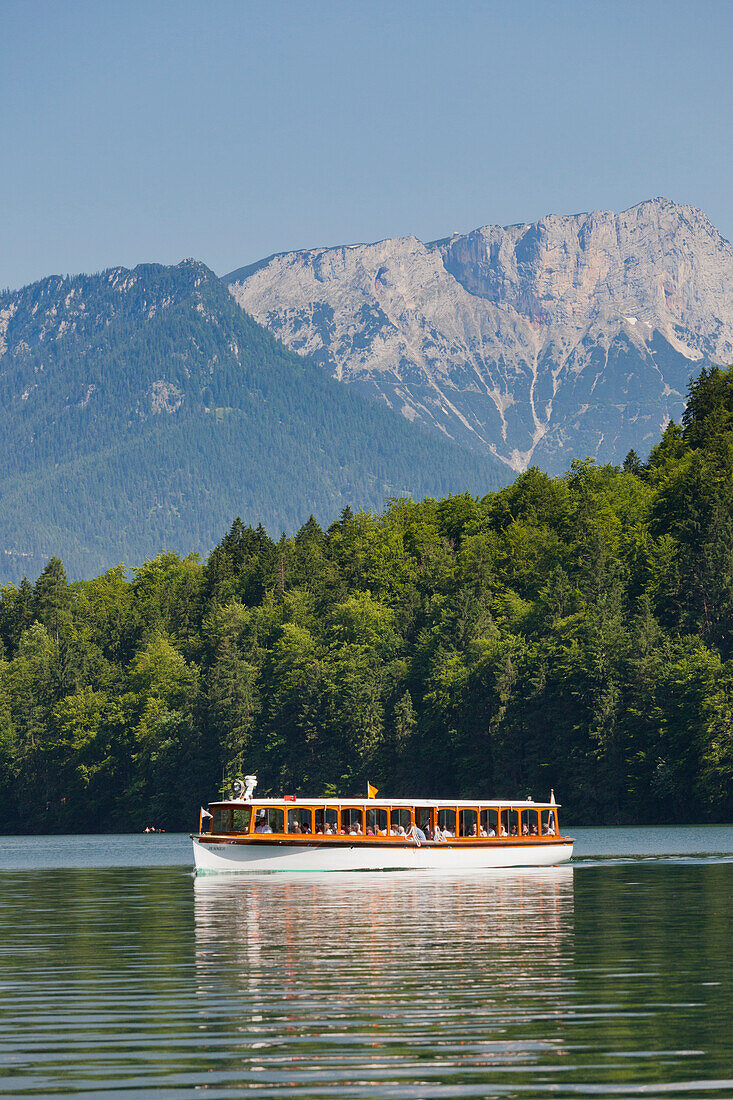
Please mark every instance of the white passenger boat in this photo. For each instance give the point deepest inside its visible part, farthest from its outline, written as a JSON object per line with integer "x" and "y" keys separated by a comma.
{"x": 345, "y": 834}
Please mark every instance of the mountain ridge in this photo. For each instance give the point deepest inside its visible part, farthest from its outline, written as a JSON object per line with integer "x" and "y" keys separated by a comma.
{"x": 537, "y": 343}
{"x": 540, "y": 342}
{"x": 142, "y": 408}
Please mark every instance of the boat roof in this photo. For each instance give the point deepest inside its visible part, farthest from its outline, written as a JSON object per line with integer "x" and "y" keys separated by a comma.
{"x": 433, "y": 803}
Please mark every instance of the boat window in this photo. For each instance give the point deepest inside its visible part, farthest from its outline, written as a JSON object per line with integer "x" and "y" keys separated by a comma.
{"x": 468, "y": 823}
{"x": 447, "y": 821}
{"x": 301, "y": 821}
{"x": 400, "y": 822}
{"x": 376, "y": 821}
{"x": 326, "y": 820}
{"x": 240, "y": 819}
{"x": 530, "y": 822}
{"x": 424, "y": 820}
{"x": 352, "y": 821}
{"x": 549, "y": 822}
{"x": 269, "y": 820}
{"x": 489, "y": 823}
{"x": 222, "y": 820}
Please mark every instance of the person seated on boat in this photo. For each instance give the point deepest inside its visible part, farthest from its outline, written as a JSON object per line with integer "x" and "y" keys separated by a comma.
{"x": 533, "y": 830}
{"x": 447, "y": 833}
{"x": 525, "y": 829}
{"x": 474, "y": 830}
{"x": 513, "y": 831}
{"x": 294, "y": 827}
{"x": 398, "y": 830}
{"x": 502, "y": 830}
{"x": 319, "y": 830}
{"x": 355, "y": 829}
{"x": 305, "y": 828}
{"x": 262, "y": 825}
{"x": 429, "y": 834}
{"x": 491, "y": 831}
{"x": 416, "y": 833}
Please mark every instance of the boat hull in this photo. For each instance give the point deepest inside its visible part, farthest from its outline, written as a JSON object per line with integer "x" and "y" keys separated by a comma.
{"x": 237, "y": 857}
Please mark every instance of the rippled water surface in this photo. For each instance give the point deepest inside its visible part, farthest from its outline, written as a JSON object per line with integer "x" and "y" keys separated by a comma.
{"x": 122, "y": 975}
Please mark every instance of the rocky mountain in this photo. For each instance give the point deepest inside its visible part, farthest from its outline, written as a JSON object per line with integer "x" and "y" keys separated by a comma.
{"x": 572, "y": 337}
{"x": 143, "y": 409}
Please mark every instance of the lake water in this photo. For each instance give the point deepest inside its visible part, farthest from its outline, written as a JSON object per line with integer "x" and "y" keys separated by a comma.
{"x": 123, "y": 976}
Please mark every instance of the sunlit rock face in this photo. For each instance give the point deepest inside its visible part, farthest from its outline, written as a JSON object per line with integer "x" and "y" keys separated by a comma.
{"x": 541, "y": 343}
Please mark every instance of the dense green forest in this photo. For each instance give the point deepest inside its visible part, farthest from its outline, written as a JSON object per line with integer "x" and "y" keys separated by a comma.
{"x": 572, "y": 632}
{"x": 141, "y": 410}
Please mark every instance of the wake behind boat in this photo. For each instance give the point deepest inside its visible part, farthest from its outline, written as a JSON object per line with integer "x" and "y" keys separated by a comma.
{"x": 342, "y": 834}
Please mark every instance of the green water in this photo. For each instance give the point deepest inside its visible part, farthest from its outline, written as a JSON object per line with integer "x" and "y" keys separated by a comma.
{"x": 608, "y": 978}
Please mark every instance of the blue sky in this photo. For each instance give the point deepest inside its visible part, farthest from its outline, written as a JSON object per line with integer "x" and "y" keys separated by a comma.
{"x": 230, "y": 130}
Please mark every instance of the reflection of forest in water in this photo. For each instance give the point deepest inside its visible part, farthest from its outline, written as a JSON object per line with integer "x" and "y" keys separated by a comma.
{"x": 601, "y": 979}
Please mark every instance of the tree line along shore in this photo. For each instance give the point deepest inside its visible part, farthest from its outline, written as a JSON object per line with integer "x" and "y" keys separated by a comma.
{"x": 572, "y": 632}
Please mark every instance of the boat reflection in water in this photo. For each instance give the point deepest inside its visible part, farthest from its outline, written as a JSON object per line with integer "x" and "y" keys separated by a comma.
{"x": 366, "y": 980}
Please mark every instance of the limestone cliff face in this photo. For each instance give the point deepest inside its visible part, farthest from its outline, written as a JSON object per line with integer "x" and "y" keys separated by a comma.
{"x": 537, "y": 343}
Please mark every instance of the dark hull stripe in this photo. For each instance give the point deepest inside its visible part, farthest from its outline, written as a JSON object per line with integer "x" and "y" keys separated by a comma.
{"x": 369, "y": 842}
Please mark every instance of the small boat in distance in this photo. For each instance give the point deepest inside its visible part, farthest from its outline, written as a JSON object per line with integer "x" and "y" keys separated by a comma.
{"x": 351, "y": 834}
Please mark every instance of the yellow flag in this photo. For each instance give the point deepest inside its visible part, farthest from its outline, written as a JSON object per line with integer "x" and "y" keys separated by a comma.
{"x": 372, "y": 792}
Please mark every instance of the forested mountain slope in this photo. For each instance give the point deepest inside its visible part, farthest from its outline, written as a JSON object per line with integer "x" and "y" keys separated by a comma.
{"x": 571, "y": 632}
{"x": 140, "y": 410}
{"x": 540, "y": 343}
